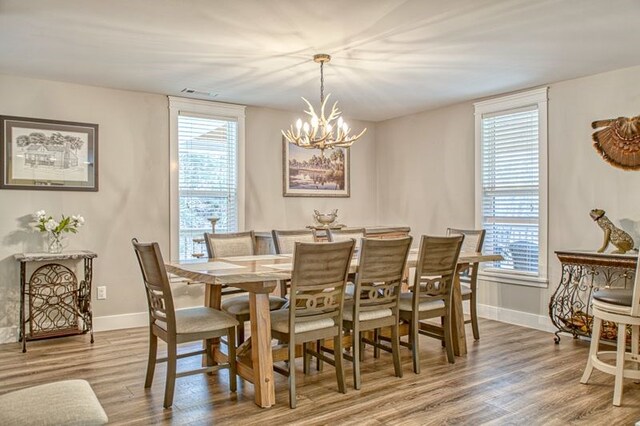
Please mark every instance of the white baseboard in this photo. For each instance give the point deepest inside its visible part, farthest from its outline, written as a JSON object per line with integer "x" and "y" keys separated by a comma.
{"x": 117, "y": 322}
{"x": 510, "y": 316}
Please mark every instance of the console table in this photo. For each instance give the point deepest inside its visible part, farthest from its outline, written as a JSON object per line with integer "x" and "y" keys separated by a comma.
{"x": 582, "y": 272}
{"x": 53, "y": 302}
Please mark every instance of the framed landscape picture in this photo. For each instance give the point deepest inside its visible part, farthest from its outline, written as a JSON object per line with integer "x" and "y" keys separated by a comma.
{"x": 312, "y": 173}
{"x": 48, "y": 154}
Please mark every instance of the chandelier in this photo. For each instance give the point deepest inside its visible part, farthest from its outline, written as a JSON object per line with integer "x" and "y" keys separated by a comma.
{"x": 321, "y": 132}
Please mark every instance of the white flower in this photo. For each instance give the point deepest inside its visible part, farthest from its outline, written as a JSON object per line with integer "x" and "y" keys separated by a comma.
{"x": 78, "y": 220}
{"x": 50, "y": 225}
{"x": 40, "y": 214}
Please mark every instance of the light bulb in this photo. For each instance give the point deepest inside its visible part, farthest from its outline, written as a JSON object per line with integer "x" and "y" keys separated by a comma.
{"x": 345, "y": 128}
{"x": 306, "y": 127}
{"x": 314, "y": 121}
{"x": 340, "y": 121}
{"x": 299, "y": 124}
{"x": 329, "y": 128}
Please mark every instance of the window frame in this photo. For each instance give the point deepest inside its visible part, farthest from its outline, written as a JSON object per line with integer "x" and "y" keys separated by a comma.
{"x": 214, "y": 110}
{"x": 505, "y": 104}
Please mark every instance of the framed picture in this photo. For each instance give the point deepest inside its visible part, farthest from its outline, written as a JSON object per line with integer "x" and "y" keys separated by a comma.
{"x": 48, "y": 154}
{"x": 313, "y": 173}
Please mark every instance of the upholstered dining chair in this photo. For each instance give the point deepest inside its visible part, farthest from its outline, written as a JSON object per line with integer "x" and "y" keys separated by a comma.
{"x": 230, "y": 245}
{"x": 284, "y": 242}
{"x": 431, "y": 294}
{"x": 316, "y": 305}
{"x": 179, "y": 326}
{"x": 375, "y": 300}
{"x": 622, "y": 307}
{"x": 473, "y": 242}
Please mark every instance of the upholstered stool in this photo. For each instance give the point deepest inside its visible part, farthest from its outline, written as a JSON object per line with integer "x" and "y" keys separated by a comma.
{"x": 70, "y": 402}
{"x": 622, "y": 307}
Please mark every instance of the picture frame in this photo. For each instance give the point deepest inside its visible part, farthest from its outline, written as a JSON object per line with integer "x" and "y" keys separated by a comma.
{"x": 313, "y": 173}
{"x": 48, "y": 155}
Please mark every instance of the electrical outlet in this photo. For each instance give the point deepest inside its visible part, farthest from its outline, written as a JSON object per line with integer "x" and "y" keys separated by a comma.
{"x": 102, "y": 293}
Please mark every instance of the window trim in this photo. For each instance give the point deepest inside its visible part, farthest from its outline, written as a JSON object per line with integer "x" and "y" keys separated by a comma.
{"x": 206, "y": 109}
{"x": 537, "y": 97}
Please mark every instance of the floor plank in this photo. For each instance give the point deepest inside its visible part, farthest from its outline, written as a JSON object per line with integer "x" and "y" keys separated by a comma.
{"x": 512, "y": 376}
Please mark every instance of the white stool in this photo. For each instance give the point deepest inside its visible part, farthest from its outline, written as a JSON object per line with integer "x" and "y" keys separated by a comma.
{"x": 622, "y": 307}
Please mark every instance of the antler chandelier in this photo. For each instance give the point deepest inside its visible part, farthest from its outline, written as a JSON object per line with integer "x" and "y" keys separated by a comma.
{"x": 321, "y": 132}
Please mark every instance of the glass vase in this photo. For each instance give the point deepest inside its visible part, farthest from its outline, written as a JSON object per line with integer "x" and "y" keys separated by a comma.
{"x": 55, "y": 243}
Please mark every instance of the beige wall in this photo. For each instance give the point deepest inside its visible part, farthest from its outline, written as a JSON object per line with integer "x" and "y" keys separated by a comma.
{"x": 426, "y": 174}
{"x": 134, "y": 189}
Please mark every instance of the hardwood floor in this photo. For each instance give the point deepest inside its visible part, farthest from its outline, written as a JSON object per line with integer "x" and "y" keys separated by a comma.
{"x": 513, "y": 375}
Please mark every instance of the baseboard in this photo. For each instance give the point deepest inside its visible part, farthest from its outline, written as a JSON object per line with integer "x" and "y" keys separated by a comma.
{"x": 510, "y": 316}
{"x": 117, "y": 322}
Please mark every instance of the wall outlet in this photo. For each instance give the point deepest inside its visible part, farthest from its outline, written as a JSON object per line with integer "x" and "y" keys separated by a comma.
{"x": 102, "y": 293}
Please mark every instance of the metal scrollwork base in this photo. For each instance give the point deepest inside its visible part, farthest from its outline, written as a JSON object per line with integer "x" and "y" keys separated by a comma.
{"x": 582, "y": 273}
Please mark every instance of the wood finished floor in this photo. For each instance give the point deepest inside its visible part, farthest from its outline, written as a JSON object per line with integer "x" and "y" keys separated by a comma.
{"x": 513, "y": 375}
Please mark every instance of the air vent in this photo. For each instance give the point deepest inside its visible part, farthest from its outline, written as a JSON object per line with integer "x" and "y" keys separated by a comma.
{"x": 197, "y": 92}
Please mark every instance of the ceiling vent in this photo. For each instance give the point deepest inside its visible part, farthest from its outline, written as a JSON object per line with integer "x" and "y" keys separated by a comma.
{"x": 197, "y": 92}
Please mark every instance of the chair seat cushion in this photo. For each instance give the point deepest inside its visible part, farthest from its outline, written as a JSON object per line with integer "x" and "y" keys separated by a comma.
{"x": 614, "y": 296}
{"x": 201, "y": 320}
{"x": 280, "y": 323}
{"x": 239, "y": 305}
{"x": 365, "y": 315}
{"x": 427, "y": 304}
{"x": 465, "y": 290}
{"x": 69, "y": 402}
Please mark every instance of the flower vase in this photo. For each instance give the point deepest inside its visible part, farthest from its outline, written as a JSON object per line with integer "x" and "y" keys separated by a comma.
{"x": 55, "y": 243}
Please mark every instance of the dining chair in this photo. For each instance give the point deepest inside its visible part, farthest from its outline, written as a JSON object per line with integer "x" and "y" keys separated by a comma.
{"x": 375, "y": 301}
{"x": 230, "y": 245}
{"x": 284, "y": 242}
{"x": 344, "y": 234}
{"x": 179, "y": 326}
{"x": 315, "y": 311}
{"x": 473, "y": 242}
{"x": 621, "y": 307}
{"x": 431, "y": 294}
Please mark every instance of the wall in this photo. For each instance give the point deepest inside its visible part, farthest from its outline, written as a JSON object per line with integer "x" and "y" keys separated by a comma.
{"x": 133, "y": 199}
{"x": 426, "y": 172}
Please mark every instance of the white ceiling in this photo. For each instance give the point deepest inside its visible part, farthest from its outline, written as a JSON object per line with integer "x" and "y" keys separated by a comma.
{"x": 390, "y": 57}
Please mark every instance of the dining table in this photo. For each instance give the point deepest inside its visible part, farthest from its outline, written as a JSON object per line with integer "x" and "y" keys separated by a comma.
{"x": 259, "y": 275}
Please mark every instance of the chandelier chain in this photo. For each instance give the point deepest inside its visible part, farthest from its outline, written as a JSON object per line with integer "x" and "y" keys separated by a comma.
{"x": 321, "y": 82}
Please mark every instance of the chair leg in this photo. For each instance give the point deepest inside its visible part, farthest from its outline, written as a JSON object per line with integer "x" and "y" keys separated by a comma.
{"x": 240, "y": 338}
{"x": 395, "y": 348}
{"x": 337, "y": 356}
{"x": 635, "y": 345}
{"x": 443, "y": 343}
{"x": 593, "y": 349}
{"x": 172, "y": 358}
{"x": 208, "y": 347}
{"x": 292, "y": 374}
{"x": 620, "y": 350}
{"x": 360, "y": 343}
{"x": 356, "y": 356}
{"x": 448, "y": 341}
{"x": 474, "y": 316}
{"x": 306, "y": 358}
{"x": 319, "y": 362}
{"x": 151, "y": 362}
{"x": 376, "y": 339}
{"x": 231, "y": 352}
{"x": 415, "y": 346}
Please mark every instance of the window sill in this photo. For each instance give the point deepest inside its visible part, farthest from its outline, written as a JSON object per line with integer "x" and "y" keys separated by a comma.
{"x": 513, "y": 278}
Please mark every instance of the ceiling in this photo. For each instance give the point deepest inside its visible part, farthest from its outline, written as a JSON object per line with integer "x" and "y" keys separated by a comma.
{"x": 390, "y": 57}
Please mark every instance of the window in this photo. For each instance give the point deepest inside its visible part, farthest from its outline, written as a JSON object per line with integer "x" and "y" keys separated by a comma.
{"x": 511, "y": 186}
{"x": 206, "y": 147}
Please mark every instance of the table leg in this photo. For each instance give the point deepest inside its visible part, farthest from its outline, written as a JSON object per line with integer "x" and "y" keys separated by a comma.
{"x": 261, "y": 355}
{"x": 457, "y": 315}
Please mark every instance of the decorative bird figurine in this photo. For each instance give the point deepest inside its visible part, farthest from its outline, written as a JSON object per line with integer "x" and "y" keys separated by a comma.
{"x": 619, "y": 141}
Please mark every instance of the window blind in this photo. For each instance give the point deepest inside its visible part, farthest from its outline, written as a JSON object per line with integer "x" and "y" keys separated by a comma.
{"x": 207, "y": 178}
{"x": 510, "y": 207}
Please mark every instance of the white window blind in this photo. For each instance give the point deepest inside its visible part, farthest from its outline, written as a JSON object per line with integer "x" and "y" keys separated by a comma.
{"x": 510, "y": 200}
{"x": 207, "y": 178}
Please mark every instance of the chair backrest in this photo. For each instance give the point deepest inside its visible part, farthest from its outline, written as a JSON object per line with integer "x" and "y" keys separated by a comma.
{"x": 436, "y": 266}
{"x": 285, "y": 241}
{"x": 381, "y": 267}
{"x": 635, "y": 301}
{"x": 156, "y": 284}
{"x": 473, "y": 242}
{"x": 318, "y": 281}
{"x": 345, "y": 234}
{"x": 230, "y": 244}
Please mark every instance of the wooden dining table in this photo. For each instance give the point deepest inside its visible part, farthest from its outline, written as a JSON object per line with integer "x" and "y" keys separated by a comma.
{"x": 259, "y": 276}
